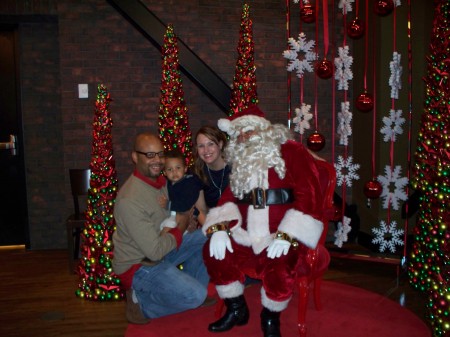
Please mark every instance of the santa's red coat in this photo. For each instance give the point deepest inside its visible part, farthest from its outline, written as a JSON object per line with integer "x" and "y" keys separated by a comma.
{"x": 253, "y": 230}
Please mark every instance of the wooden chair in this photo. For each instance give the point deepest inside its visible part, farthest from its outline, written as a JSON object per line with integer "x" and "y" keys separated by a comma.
{"x": 318, "y": 259}
{"x": 79, "y": 185}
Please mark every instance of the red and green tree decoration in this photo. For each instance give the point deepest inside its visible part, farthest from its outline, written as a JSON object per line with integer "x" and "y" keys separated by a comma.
{"x": 97, "y": 280}
{"x": 429, "y": 266}
{"x": 244, "y": 81}
{"x": 174, "y": 128}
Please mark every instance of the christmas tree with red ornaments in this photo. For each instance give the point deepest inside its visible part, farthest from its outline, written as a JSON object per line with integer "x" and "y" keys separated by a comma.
{"x": 429, "y": 266}
{"x": 244, "y": 81}
{"x": 174, "y": 128}
{"x": 97, "y": 280}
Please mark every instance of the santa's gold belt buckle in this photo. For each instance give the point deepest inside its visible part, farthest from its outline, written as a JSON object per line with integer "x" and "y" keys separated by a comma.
{"x": 259, "y": 198}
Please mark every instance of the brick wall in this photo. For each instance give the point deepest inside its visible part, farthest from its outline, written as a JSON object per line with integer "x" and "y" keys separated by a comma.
{"x": 89, "y": 42}
{"x": 65, "y": 43}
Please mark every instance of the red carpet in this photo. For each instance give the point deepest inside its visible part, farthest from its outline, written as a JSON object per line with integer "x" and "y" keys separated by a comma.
{"x": 347, "y": 312}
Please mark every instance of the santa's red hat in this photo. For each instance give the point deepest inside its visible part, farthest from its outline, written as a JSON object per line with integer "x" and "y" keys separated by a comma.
{"x": 252, "y": 110}
{"x": 247, "y": 119}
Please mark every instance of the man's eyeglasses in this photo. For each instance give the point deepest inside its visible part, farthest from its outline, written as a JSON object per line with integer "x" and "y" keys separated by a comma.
{"x": 151, "y": 155}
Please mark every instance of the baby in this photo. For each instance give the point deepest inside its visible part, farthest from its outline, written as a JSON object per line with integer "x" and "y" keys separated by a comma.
{"x": 185, "y": 190}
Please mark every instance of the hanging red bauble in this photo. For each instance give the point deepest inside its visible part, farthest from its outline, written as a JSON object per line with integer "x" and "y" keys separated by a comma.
{"x": 383, "y": 7}
{"x": 316, "y": 142}
{"x": 364, "y": 102}
{"x": 324, "y": 69}
{"x": 308, "y": 13}
{"x": 373, "y": 189}
{"x": 356, "y": 29}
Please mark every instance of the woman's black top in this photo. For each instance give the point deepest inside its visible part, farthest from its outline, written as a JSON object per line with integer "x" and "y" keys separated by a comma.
{"x": 217, "y": 182}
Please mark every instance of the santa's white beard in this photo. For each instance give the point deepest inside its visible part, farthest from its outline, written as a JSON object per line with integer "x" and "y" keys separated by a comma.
{"x": 250, "y": 162}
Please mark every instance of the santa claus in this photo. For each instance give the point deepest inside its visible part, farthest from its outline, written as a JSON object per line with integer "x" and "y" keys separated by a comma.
{"x": 265, "y": 219}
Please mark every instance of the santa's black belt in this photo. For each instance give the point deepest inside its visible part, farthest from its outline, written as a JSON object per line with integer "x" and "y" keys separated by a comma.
{"x": 260, "y": 198}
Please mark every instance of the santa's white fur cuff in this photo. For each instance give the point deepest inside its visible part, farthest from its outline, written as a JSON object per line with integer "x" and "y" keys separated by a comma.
{"x": 234, "y": 289}
{"x": 271, "y": 304}
{"x": 227, "y": 212}
{"x": 302, "y": 227}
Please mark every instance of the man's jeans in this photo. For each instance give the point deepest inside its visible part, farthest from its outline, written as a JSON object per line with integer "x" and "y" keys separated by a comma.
{"x": 164, "y": 289}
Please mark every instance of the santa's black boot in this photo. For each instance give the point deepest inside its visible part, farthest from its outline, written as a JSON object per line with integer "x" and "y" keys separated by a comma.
{"x": 270, "y": 323}
{"x": 236, "y": 314}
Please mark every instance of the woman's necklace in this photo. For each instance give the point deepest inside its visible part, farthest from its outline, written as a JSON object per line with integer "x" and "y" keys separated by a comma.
{"x": 213, "y": 182}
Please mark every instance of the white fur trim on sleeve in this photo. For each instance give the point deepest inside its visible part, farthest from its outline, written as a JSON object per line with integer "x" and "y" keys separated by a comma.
{"x": 302, "y": 227}
{"x": 227, "y": 212}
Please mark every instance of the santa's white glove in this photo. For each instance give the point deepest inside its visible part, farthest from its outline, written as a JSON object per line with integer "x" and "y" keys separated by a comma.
{"x": 218, "y": 244}
{"x": 277, "y": 248}
{"x": 168, "y": 222}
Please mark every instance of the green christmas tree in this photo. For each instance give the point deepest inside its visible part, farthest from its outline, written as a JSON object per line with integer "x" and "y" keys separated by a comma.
{"x": 244, "y": 81}
{"x": 98, "y": 282}
{"x": 174, "y": 128}
{"x": 429, "y": 266}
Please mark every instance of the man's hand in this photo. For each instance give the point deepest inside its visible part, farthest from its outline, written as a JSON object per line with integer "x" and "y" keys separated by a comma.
{"x": 277, "y": 248}
{"x": 218, "y": 244}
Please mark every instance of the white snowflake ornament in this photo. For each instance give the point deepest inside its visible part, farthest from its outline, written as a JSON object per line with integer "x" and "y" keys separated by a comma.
{"x": 395, "y": 80}
{"x": 341, "y": 234}
{"x": 387, "y": 236}
{"x": 296, "y": 61}
{"x": 346, "y": 171}
{"x": 302, "y": 118}
{"x": 346, "y": 5}
{"x": 392, "y": 197}
{"x": 343, "y": 65}
{"x": 344, "y": 129}
{"x": 392, "y": 125}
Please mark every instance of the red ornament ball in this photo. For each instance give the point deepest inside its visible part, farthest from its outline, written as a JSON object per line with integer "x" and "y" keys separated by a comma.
{"x": 383, "y": 7}
{"x": 364, "y": 102}
{"x": 356, "y": 29}
{"x": 373, "y": 189}
{"x": 324, "y": 69}
{"x": 315, "y": 142}
{"x": 308, "y": 13}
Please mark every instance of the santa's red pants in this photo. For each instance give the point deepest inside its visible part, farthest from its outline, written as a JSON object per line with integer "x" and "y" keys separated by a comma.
{"x": 277, "y": 275}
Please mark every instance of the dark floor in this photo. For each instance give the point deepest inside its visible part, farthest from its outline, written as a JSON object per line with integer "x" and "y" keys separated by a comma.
{"x": 356, "y": 265}
{"x": 38, "y": 293}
